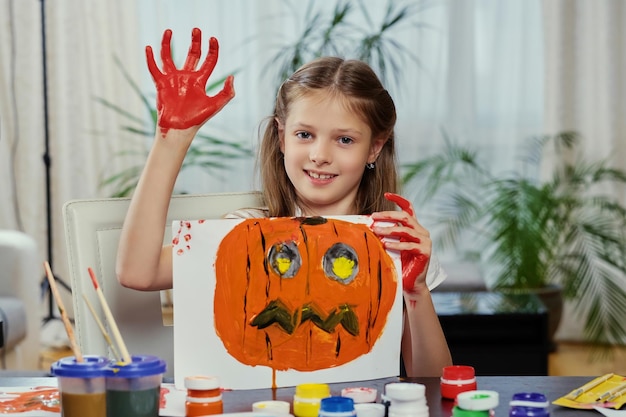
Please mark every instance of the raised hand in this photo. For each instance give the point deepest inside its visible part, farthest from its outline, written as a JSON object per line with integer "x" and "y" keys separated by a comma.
{"x": 411, "y": 239}
{"x": 182, "y": 101}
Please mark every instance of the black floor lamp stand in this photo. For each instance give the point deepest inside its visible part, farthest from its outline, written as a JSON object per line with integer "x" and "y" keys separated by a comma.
{"x": 45, "y": 286}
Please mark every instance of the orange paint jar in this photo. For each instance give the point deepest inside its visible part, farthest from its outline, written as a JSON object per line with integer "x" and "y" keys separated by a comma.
{"x": 204, "y": 396}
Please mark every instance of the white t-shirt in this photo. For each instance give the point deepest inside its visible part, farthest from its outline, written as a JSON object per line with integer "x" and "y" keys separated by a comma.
{"x": 434, "y": 276}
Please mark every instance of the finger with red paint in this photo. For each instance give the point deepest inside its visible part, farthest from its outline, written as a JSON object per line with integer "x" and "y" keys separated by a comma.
{"x": 407, "y": 236}
{"x": 182, "y": 101}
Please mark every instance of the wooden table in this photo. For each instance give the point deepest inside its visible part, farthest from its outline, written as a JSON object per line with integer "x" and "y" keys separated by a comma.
{"x": 551, "y": 386}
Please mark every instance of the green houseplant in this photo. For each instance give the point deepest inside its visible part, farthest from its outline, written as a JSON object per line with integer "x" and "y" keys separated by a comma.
{"x": 349, "y": 31}
{"x": 534, "y": 233}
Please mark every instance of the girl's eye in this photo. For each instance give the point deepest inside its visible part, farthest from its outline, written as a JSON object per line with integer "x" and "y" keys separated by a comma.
{"x": 303, "y": 135}
{"x": 345, "y": 140}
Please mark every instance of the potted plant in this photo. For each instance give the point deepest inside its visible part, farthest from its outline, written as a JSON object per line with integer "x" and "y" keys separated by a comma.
{"x": 564, "y": 230}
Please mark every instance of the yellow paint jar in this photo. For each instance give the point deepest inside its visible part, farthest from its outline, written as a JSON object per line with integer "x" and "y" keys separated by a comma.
{"x": 307, "y": 398}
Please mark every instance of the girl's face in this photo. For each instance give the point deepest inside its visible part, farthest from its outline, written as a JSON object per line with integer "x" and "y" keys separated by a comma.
{"x": 326, "y": 147}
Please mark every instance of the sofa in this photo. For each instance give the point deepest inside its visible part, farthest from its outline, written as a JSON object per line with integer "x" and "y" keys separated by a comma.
{"x": 20, "y": 275}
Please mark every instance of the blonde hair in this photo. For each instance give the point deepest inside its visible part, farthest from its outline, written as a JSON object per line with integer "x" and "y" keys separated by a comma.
{"x": 356, "y": 83}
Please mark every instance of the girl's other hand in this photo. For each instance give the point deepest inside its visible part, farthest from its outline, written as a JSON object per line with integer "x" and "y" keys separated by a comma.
{"x": 182, "y": 101}
{"x": 410, "y": 238}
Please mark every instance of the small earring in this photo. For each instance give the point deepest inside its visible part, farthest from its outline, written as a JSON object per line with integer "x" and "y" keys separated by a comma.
{"x": 370, "y": 165}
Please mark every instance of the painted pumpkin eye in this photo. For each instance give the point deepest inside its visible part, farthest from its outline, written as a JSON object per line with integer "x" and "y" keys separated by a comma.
{"x": 284, "y": 258}
{"x": 341, "y": 263}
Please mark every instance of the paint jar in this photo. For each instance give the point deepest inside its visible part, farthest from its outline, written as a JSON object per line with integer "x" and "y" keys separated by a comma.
{"x": 406, "y": 399}
{"x": 275, "y": 408}
{"x": 529, "y": 404}
{"x": 134, "y": 389}
{"x": 82, "y": 385}
{"x": 337, "y": 406}
{"x": 370, "y": 409}
{"x": 204, "y": 396}
{"x": 307, "y": 398}
{"x": 457, "y": 379}
{"x": 360, "y": 394}
{"x": 459, "y": 412}
{"x": 476, "y": 403}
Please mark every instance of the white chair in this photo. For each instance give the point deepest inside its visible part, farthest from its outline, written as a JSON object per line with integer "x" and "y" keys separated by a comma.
{"x": 92, "y": 231}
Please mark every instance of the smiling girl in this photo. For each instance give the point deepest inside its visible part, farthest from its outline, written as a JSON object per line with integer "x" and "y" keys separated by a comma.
{"x": 328, "y": 149}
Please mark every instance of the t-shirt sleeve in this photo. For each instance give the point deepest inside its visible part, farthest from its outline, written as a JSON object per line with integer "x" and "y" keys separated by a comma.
{"x": 248, "y": 213}
{"x": 435, "y": 274}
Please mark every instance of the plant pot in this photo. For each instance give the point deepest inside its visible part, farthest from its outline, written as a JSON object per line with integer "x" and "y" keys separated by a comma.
{"x": 552, "y": 298}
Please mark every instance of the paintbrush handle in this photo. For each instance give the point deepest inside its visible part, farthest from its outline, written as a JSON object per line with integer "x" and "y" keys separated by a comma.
{"x": 589, "y": 385}
{"x": 116, "y": 331}
{"x": 101, "y": 327}
{"x": 107, "y": 312}
{"x": 66, "y": 321}
{"x": 612, "y": 394}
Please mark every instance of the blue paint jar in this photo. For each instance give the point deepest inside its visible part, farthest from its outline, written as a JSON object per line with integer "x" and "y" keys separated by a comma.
{"x": 529, "y": 404}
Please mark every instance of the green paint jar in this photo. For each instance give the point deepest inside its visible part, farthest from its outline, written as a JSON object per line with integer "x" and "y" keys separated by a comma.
{"x": 475, "y": 403}
{"x": 460, "y": 412}
{"x": 134, "y": 389}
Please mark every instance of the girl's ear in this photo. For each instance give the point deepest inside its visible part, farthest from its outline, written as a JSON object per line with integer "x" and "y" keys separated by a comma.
{"x": 281, "y": 133}
{"x": 377, "y": 146}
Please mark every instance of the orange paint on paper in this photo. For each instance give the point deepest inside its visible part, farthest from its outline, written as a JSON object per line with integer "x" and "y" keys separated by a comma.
{"x": 301, "y": 293}
{"x": 36, "y": 399}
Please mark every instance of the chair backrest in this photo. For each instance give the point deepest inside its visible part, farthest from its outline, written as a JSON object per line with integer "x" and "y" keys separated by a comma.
{"x": 92, "y": 232}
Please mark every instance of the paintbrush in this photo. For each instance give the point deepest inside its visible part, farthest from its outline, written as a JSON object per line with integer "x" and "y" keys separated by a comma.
{"x": 107, "y": 312}
{"x": 588, "y": 386}
{"x": 66, "y": 321}
{"x": 613, "y": 394}
{"x": 102, "y": 329}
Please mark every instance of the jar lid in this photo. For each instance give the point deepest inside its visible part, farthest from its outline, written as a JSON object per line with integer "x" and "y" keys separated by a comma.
{"x": 92, "y": 366}
{"x": 141, "y": 365}
{"x": 458, "y": 372}
{"x": 201, "y": 382}
{"x": 477, "y": 400}
{"x": 337, "y": 404}
{"x": 405, "y": 391}
{"x": 360, "y": 394}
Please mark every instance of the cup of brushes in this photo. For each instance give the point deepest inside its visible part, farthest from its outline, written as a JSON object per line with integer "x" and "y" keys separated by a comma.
{"x": 96, "y": 386}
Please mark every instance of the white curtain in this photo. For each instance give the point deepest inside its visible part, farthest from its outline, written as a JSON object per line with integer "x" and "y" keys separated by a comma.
{"x": 585, "y": 59}
{"x": 82, "y": 38}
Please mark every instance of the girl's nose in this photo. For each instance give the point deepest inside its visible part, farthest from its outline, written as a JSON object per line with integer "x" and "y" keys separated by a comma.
{"x": 320, "y": 153}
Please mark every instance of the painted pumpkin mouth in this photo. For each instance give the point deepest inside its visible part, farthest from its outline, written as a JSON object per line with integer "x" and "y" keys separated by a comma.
{"x": 277, "y": 313}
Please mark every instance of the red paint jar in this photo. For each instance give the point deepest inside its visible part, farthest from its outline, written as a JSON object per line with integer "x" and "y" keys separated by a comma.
{"x": 457, "y": 379}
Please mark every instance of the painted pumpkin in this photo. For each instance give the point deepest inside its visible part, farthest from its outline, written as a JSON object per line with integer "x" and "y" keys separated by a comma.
{"x": 301, "y": 293}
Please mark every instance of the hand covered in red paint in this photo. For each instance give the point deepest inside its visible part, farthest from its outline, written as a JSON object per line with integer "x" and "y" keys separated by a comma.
{"x": 410, "y": 238}
{"x": 182, "y": 101}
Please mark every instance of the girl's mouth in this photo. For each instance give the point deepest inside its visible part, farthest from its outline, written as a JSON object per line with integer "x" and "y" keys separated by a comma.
{"x": 319, "y": 176}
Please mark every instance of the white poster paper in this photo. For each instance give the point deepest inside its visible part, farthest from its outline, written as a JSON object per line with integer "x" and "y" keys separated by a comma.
{"x": 311, "y": 299}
